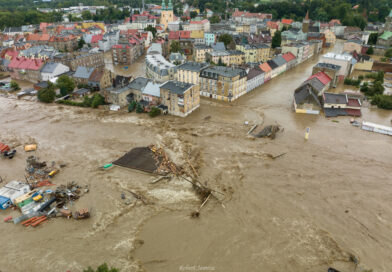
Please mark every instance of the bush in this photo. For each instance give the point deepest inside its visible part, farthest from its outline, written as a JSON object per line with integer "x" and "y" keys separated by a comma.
{"x": 102, "y": 268}
{"x": 66, "y": 84}
{"x": 139, "y": 108}
{"x": 388, "y": 54}
{"x": 93, "y": 102}
{"x": 14, "y": 85}
{"x": 154, "y": 112}
{"x": 382, "y": 101}
{"x": 353, "y": 82}
{"x": 360, "y": 77}
{"x": 132, "y": 106}
{"x": 71, "y": 103}
{"x": 97, "y": 100}
{"x": 47, "y": 95}
{"x": 370, "y": 51}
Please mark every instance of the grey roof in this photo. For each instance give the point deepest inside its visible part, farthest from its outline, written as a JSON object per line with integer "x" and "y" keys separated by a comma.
{"x": 138, "y": 83}
{"x": 152, "y": 89}
{"x": 235, "y": 52}
{"x": 83, "y": 72}
{"x": 354, "y": 41}
{"x": 215, "y": 71}
{"x": 201, "y": 46}
{"x": 279, "y": 60}
{"x": 334, "y": 112}
{"x": 81, "y": 91}
{"x": 176, "y": 56}
{"x": 272, "y": 64}
{"x": 254, "y": 72}
{"x": 50, "y": 67}
{"x": 176, "y": 87}
{"x": 305, "y": 93}
{"x": 334, "y": 98}
{"x": 218, "y": 46}
{"x": 13, "y": 29}
{"x": 328, "y": 66}
{"x": 315, "y": 83}
{"x": 192, "y": 66}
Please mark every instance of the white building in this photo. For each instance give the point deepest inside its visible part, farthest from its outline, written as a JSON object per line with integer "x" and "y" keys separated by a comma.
{"x": 109, "y": 39}
{"x": 52, "y": 70}
{"x": 345, "y": 61}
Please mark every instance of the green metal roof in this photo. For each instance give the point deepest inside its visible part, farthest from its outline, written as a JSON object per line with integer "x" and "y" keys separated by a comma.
{"x": 390, "y": 14}
{"x": 386, "y": 35}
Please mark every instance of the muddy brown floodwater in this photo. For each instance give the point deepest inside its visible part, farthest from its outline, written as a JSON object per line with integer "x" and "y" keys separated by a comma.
{"x": 325, "y": 199}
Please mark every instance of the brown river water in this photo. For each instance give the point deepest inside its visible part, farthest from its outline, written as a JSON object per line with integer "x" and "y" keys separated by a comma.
{"x": 326, "y": 199}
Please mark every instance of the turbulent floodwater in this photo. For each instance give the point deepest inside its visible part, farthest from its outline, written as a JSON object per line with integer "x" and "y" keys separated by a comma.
{"x": 325, "y": 199}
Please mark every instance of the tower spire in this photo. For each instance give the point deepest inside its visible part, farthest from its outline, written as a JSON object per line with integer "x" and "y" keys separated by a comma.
{"x": 163, "y": 5}
{"x": 170, "y": 6}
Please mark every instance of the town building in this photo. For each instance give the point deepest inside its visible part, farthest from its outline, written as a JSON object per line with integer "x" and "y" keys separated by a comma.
{"x": 167, "y": 15}
{"x": 290, "y": 59}
{"x": 267, "y": 71}
{"x": 223, "y": 83}
{"x": 109, "y": 39}
{"x": 199, "y": 52}
{"x": 250, "y": 18}
{"x": 254, "y": 79}
{"x": 189, "y": 72}
{"x": 100, "y": 78}
{"x": 332, "y": 70}
{"x": 180, "y": 98}
{"x": 345, "y": 61}
{"x": 123, "y": 94}
{"x": 352, "y": 45}
{"x": 330, "y": 38}
{"x": 22, "y": 68}
{"x": 340, "y": 105}
{"x": 87, "y": 59}
{"x": 126, "y": 54}
{"x": 52, "y": 70}
{"x": 82, "y": 74}
{"x": 158, "y": 68}
{"x": 209, "y": 38}
{"x": 280, "y": 63}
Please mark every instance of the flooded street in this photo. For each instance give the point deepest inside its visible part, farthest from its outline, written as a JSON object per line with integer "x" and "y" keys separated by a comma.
{"x": 325, "y": 200}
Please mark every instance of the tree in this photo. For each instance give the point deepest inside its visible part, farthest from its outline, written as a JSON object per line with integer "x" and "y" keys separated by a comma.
{"x": 175, "y": 47}
{"x": 220, "y": 62}
{"x": 102, "y": 268}
{"x": 86, "y": 15}
{"x": 215, "y": 19}
{"x": 277, "y": 39}
{"x": 388, "y": 54}
{"x": 14, "y": 85}
{"x": 152, "y": 29}
{"x": 226, "y": 39}
{"x": 154, "y": 112}
{"x": 193, "y": 14}
{"x": 47, "y": 94}
{"x": 139, "y": 108}
{"x": 373, "y": 38}
{"x": 81, "y": 43}
{"x": 97, "y": 100}
{"x": 370, "y": 51}
{"x": 65, "y": 84}
{"x": 132, "y": 106}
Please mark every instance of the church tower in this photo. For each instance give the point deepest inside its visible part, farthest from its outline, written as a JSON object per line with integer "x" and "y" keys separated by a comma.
{"x": 167, "y": 15}
{"x": 306, "y": 23}
{"x": 388, "y": 22}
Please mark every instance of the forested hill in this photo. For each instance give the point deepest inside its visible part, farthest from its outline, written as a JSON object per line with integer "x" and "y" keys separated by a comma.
{"x": 350, "y": 12}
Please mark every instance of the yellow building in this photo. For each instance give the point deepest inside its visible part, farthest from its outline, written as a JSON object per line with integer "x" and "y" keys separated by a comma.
{"x": 200, "y": 51}
{"x": 223, "y": 83}
{"x": 167, "y": 15}
{"x": 189, "y": 72}
{"x": 330, "y": 37}
{"x": 242, "y": 29}
{"x": 255, "y": 53}
{"x": 236, "y": 57}
{"x": 197, "y": 34}
{"x": 90, "y": 24}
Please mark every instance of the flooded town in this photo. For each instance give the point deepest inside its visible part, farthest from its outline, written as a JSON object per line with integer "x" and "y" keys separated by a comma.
{"x": 179, "y": 138}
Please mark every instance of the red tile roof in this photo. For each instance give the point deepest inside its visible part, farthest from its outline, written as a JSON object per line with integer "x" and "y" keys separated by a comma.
{"x": 96, "y": 38}
{"x": 323, "y": 77}
{"x": 265, "y": 67}
{"x": 287, "y": 21}
{"x": 273, "y": 25}
{"x": 353, "y": 102}
{"x": 288, "y": 56}
{"x": 26, "y": 64}
{"x": 252, "y": 15}
{"x": 353, "y": 112}
{"x": 182, "y": 34}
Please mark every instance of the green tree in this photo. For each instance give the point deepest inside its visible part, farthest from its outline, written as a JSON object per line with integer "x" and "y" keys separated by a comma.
{"x": 193, "y": 14}
{"x": 97, "y": 100}
{"x": 373, "y": 38}
{"x": 132, "y": 106}
{"x": 86, "y": 15}
{"x": 47, "y": 94}
{"x": 277, "y": 39}
{"x": 81, "y": 43}
{"x": 226, "y": 39}
{"x": 370, "y": 51}
{"x": 14, "y": 85}
{"x": 175, "y": 47}
{"x": 152, "y": 29}
{"x": 139, "y": 108}
{"x": 220, "y": 62}
{"x": 65, "y": 84}
{"x": 215, "y": 19}
{"x": 154, "y": 112}
{"x": 102, "y": 268}
{"x": 388, "y": 53}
